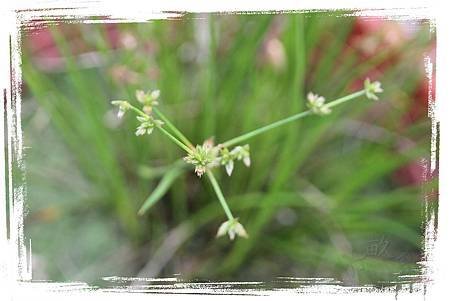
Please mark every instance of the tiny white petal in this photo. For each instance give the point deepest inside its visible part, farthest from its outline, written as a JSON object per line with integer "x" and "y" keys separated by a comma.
{"x": 239, "y": 229}
{"x": 222, "y": 229}
{"x": 326, "y": 110}
{"x": 229, "y": 167}
{"x": 140, "y": 131}
{"x": 155, "y": 94}
{"x": 316, "y": 103}
{"x": 320, "y": 101}
{"x": 235, "y": 151}
{"x": 371, "y": 95}
{"x": 208, "y": 143}
{"x": 200, "y": 170}
{"x": 120, "y": 113}
{"x": 377, "y": 87}
{"x": 141, "y": 118}
{"x": 140, "y": 96}
{"x": 247, "y": 161}
{"x": 147, "y": 109}
{"x": 366, "y": 83}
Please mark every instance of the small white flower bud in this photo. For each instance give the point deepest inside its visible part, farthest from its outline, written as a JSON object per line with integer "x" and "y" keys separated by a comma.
{"x": 155, "y": 94}
{"x": 140, "y": 96}
{"x": 229, "y": 167}
{"x": 223, "y": 229}
{"x": 317, "y": 105}
{"x": 203, "y": 157}
{"x": 247, "y": 161}
{"x": 232, "y": 228}
{"x": 147, "y": 109}
{"x": 123, "y": 107}
{"x": 140, "y": 131}
{"x": 372, "y": 88}
{"x": 240, "y": 230}
{"x": 142, "y": 119}
{"x": 147, "y": 125}
{"x": 120, "y": 113}
{"x": 200, "y": 170}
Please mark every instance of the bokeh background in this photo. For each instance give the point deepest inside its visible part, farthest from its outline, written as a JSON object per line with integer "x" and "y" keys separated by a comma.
{"x": 340, "y": 196}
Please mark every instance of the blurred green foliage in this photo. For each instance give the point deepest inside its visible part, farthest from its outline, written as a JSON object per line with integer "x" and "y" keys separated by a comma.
{"x": 321, "y": 198}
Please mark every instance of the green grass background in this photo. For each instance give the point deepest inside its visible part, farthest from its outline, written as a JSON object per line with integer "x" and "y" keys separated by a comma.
{"x": 320, "y": 200}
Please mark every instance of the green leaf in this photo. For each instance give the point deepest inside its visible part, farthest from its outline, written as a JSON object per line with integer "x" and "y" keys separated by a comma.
{"x": 160, "y": 190}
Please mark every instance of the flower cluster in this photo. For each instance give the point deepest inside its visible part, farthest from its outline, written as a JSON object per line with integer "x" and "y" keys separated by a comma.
{"x": 147, "y": 125}
{"x": 240, "y": 153}
{"x": 147, "y": 122}
{"x": 207, "y": 156}
{"x": 203, "y": 157}
{"x": 232, "y": 227}
{"x": 123, "y": 105}
{"x": 148, "y": 100}
{"x": 372, "y": 88}
{"x": 317, "y": 105}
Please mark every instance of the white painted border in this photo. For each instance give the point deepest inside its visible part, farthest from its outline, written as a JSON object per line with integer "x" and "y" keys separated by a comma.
{"x": 13, "y": 257}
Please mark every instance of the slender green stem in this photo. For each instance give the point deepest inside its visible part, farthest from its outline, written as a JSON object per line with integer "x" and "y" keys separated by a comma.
{"x": 172, "y": 127}
{"x": 177, "y": 142}
{"x": 171, "y": 137}
{"x": 265, "y": 129}
{"x": 219, "y": 193}
{"x": 289, "y": 119}
{"x": 139, "y": 112}
{"x": 345, "y": 99}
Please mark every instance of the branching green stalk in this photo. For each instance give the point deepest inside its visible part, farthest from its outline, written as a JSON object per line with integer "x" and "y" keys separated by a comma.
{"x": 170, "y": 136}
{"x": 263, "y": 129}
{"x": 219, "y": 194}
{"x": 177, "y": 142}
{"x": 292, "y": 118}
{"x": 139, "y": 112}
{"x": 170, "y": 125}
{"x": 207, "y": 156}
{"x": 345, "y": 99}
